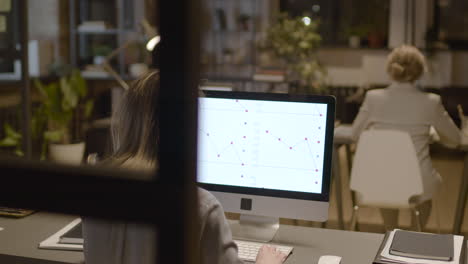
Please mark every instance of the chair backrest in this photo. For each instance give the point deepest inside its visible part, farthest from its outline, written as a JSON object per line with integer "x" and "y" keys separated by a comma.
{"x": 386, "y": 170}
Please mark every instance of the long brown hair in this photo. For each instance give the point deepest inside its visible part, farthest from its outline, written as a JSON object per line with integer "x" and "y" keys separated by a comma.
{"x": 135, "y": 125}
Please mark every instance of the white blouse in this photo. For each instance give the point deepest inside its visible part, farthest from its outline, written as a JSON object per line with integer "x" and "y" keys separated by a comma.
{"x": 404, "y": 107}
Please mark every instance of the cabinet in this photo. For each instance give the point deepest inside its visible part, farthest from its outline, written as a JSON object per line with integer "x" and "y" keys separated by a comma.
{"x": 99, "y": 26}
{"x": 229, "y": 36}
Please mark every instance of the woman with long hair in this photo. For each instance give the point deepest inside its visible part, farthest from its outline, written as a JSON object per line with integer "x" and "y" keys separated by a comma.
{"x": 135, "y": 137}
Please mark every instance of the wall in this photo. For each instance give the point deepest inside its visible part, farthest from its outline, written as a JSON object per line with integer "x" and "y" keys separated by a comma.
{"x": 460, "y": 68}
{"x": 358, "y": 67}
{"x": 44, "y": 22}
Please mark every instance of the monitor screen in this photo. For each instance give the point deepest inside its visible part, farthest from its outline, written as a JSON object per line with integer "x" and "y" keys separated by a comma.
{"x": 260, "y": 143}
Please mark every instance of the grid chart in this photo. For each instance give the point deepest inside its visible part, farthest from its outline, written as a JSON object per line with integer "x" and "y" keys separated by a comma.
{"x": 261, "y": 144}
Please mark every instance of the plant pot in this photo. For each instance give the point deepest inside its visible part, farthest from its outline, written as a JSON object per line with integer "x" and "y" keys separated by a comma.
{"x": 98, "y": 60}
{"x": 67, "y": 153}
{"x": 354, "y": 41}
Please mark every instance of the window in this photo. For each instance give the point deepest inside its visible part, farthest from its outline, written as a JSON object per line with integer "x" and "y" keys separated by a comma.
{"x": 341, "y": 19}
{"x": 452, "y": 21}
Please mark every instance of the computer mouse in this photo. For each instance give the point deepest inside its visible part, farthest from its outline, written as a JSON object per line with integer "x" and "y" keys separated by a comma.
{"x": 328, "y": 259}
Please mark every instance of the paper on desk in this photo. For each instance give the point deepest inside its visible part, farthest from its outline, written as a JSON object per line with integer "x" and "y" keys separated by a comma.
{"x": 457, "y": 247}
{"x": 53, "y": 241}
{"x": 1, "y": 228}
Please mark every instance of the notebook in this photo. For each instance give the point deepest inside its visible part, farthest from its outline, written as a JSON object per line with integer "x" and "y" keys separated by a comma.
{"x": 422, "y": 245}
{"x": 73, "y": 236}
{"x": 382, "y": 258}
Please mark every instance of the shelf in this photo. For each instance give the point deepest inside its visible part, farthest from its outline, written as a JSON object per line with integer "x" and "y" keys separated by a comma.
{"x": 220, "y": 31}
{"x": 98, "y": 32}
{"x": 237, "y": 65}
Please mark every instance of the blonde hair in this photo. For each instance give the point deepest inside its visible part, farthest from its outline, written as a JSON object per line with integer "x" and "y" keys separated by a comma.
{"x": 406, "y": 64}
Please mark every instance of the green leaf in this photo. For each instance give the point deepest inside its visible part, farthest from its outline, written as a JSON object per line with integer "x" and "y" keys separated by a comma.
{"x": 79, "y": 83}
{"x": 70, "y": 96}
{"x": 10, "y": 132}
{"x": 54, "y": 136}
{"x": 88, "y": 108}
{"x": 19, "y": 152}
{"x": 9, "y": 142}
{"x": 40, "y": 87}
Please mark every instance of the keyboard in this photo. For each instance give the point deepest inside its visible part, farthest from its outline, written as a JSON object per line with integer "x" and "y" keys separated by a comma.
{"x": 248, "y": 250}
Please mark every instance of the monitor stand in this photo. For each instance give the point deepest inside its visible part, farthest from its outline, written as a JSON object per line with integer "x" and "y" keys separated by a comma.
{"x": 255, "y": 228}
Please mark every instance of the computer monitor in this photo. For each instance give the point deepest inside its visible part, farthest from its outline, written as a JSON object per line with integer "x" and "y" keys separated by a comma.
{"x": 266, "y": 155}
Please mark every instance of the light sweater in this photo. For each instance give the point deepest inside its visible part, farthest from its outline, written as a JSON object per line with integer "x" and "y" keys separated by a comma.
{"x": 113, "y": 242}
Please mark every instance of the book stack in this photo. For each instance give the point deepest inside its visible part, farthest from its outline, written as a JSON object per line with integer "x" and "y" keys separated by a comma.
{"x": 217, "y": 86}
{"x": 92, "y": 71}
{"x": 269, "y": 75}
{"x": 406, "y": 247}
{"x": 93, "y": 26}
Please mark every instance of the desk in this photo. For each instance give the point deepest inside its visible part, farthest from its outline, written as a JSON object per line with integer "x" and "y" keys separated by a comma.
{"x": 20, "y": 239}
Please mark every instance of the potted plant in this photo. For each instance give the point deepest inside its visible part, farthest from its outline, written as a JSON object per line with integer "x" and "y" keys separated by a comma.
{"x": 12, "y": 140}
{"x": 100, "y": 52}
{"x": 355, "y": 35}
{"x": 61, "y": 103}
{"x": 295, "y": 41}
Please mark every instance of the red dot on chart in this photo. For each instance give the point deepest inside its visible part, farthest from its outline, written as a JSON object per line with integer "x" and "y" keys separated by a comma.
{"x": 267, "y": 131}
{"x": 318, "y": 141}
{"x": 237, "y": 101}
{"x": 219, "y": 155}
{"x": 290, "y": 147}
{"x": 305, "y": 138}
{"x": 320, "y": 114}
{"x": 246, "y": 110}
{"x": 245, "y": 137}
{"x": 279, "y": 139}
{"x": 242, "y": 164}
{"x": 316, "y": 182}
{"x": 316, "y": 170}
{"x": 232, "y": 142}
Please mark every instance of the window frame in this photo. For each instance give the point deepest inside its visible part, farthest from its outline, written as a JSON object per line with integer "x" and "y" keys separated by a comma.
{"x": 89, "y": 191}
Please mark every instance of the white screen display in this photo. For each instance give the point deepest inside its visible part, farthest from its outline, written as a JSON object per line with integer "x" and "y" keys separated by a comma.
{"x": 262, "y": 144}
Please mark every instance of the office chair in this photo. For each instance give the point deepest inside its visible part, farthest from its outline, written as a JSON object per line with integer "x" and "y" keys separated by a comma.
{"x": 385, "y": 173}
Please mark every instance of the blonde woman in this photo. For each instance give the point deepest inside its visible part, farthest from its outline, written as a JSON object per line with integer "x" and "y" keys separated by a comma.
{"x": 402, "y": 106}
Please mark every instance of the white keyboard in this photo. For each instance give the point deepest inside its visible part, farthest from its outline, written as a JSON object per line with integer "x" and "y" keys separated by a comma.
{"x": 248, "y": 250}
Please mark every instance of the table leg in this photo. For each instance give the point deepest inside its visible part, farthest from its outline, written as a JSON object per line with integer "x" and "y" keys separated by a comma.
{"x": 462, "y": 196}
{"x": 336, "y": 173}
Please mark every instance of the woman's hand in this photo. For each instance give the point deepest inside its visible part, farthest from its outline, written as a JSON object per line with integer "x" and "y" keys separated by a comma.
{"x": 270, "y": 255}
